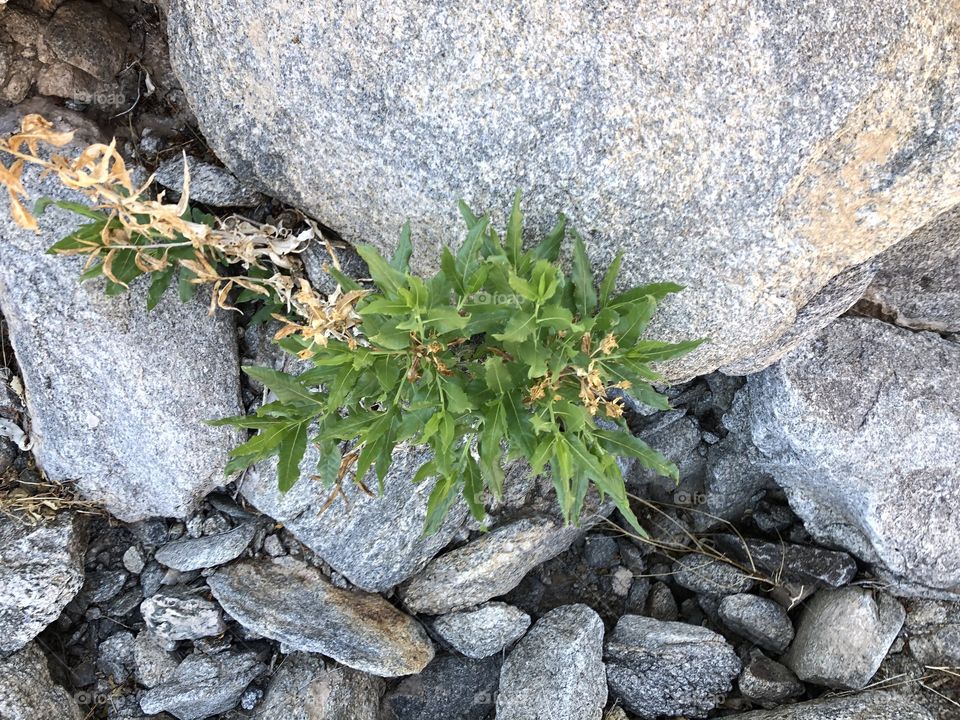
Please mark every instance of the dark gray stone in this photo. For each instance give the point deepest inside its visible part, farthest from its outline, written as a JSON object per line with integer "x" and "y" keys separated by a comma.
{"x": 41, "y": 570}
{"x": 660, "y": 602}
{"x": 306, "y": 687}
{"x": 28, "y": 693}
{"x": 291, "y": 602}
{"x": 703, "y": 574}
{"x": 815, "y": 566}
{"x": 484, "y": 630}
{"x": 600, "y": 551}
{"x": 204, "y": 685}
{"x": 767, "y": 682}
{"x": 556, "y": 671}
{"x": 449, "y": 687}
{"x": 115, "y": 656}
{"x": 843, "y": 636}
{"x": 657, "y": 668}
{"x": 865, "y": 706}
{"x": 207, "y": 551}
{"x": 757, "y": 619}
{"x": 209, "y": 184}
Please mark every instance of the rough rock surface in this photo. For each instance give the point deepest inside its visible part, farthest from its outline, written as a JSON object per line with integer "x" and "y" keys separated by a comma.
{"x": 657, "y": 668}
{"x": 866, "y": 706}
{"x": 859, "y": 427}
{"x": 843, "y": 636}
{"x": 28, "y": 693}
{"x": 375, "y": 542}
{"x": 288, "y": 601}
{"x": 102, "y": 372}
{"x": 153, "y": 663}
{"x": 41, "y": 569}
{"x": 684, "y": 137}
{"x": 815, "y": 566}
{"x": 204, "y": 685}
{"x": 207, "y": 551}
{"x": 916, "y": 282}
{"x": 483, "y": 630}
{"x": 487, "y": 567}
{"x": 88, "y": 36}
{"x": 181, "y": 614}
{"x": 757, "y": 619}
{"x": 710, "y": 577}
{"x": 768, "y": 682}
{"x": 556, "y": 671}
{"x": 449, "y": 687}
{"x": 209, "y": 184}
{"x": 305, "y": 687}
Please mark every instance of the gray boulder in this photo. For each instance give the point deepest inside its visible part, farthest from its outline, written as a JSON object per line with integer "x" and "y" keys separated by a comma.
{"x": 866, "y": 706}
{"x": 376, "y": 541}
{"x": 305, "y": 687}
{"x": 181, "y": 614}
{"x": 696, "y": 150}
{"x": 487, "y": 567}
{"x": 27, "y": 692}
{"x": 843, "y": 636}
{"x": 767, "y": 682}
{"x": 758, "y": 620}
{"x": 556, "y": 671}
{"x": 483, "y": 630}
{"x": 288, "y": 601}
{"x": 707, "y": 576}
{"x": 208, "y": 551}
{"x": 916, "y": 281}
{"x": 934, "y": 631}
{"x": 859, "y": 427}
{"x": 657, "y": 668}
{"x": 41, "y": 570}
{"x": 449, "y": 687}
{"x": 102, "y": 372}
{"x": 204, "y": 685}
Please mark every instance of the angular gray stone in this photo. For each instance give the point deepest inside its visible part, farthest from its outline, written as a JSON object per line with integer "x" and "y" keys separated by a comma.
{"x": 28, "y": 693}
{"x": 705, "y": 575}
{"x": 556, "y": 671}
{"x": 657, "y": 668}
{"x": 758, "y": 620}
{"x": 916, "y": 282}
{"x": 102, "y": 372}
{"x": 487, "y": 567}
{"x": 207, "y": 551}
{"x": 41, "y": 570}
{"x": 859, "y": 427}
{"x": 483, "y": 630}
{"x": 153, "y": 663}
{"x": 88, "y": 36}
{"x": 291, "y": 602}
{"x": 209, "y": 184}
{"x": 449, "y": 687}
{"x": 375, "y": 542}
{"x": 933, "y": 629}
{"x": 204, "y": 685}
{"x": 181, "y": 614}
{"x": 683, "y": 136}
{"x": 843, "y": 636}
{"x": 865, "y": 706}
{"x": 305, "y": 687}
{"x": 814, "y": 566}
{"x": 115, "y": 656}
{"x": 767, "y": 682}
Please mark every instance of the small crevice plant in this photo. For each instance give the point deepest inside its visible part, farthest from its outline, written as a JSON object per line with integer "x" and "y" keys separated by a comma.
{"x": 499, "y": 355}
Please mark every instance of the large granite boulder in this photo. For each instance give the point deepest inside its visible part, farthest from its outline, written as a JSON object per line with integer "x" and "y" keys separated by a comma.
{"x": 860, "y": 427}
{"x": 27, "y": 691}
{"x": 117, "y": 396}
{"x": 754, "y": 153}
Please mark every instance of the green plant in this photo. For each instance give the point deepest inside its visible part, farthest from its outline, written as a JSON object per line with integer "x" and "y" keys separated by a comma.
{"x": 499, "y": 355}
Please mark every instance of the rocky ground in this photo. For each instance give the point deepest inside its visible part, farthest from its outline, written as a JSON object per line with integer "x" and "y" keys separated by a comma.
{"x": 806, "y": 566}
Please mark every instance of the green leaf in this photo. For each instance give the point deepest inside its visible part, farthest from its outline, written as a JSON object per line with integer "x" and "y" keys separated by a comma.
{"x": 655, "y": 350}
{"x": 328, "y": 465}
{"x": 634, "y": 321}
{"x": 584, "y": 296}
{"x": 185, "y": 288}
{"x": 441, "y": 499}
{"x": 549, "y": 247}
{"x": 401, "y": 256}
{"x": 497, "y": 375}
{"x": 514, "y": 238}
{"x": 473, "y": 488}
{"x": 292, "y": 447}
{"x": 468, "y": 217}
{"x": 627, "y": 445}
{"x": 40, "y": 207}
{"x": 347, "y": 283}
{"x": 379, "y": 305}
{"x": 520, "y": 326}
{"x": 287, "y": 388}
{"x": 386, "y": 278}
{"x": 658, "y": 291}
{"x": 610, "y": 279}
{"x": 158, "y": 285}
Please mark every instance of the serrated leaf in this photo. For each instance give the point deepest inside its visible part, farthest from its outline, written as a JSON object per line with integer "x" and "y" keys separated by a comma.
{"x": 549, "y": 247}
{"x": 497, "y": 376}
{"x": 655, "y": 350}
{"x": 158, "y": 285}
{"x": 442, "y": 498}
{"x": 658, "y": 291}
{"x": 627, "y": 445}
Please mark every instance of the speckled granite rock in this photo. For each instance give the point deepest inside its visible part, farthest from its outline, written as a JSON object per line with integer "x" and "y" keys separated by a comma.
{"x": 41, "y": 570}
{"x": 683, "y": 135}
{"x": 556, "y": 671}
{"x": 102, "y": 372}
{"x": 181, "y": 614}
{"x": 449, "y": 687}
{"x": 484, "y": 630}
{"x": 657, "y": 668}
{"x": 866, "y": 706}
{"x": 767, "y": 682}
{"x": 28, "y": 693}
{"x": 209, "y": 184}
{"x": 757, "y": 619}
{"x": 375, "y": 542}
{"x": 859, "y": 426}
{"x": 207, "y": 551}
{"x": 305, "y": 687}
{"x": 291, "y": 602}
{"x": 710, "y": 577}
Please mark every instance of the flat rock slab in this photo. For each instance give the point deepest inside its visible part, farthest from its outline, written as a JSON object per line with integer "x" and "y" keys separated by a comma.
{"x": 375, "y": 542}
{"x": 484, "y": 630}
{"x": 657, "y": 668}
{"x": 41, "y": 570}
{"x": 809, "y": 564}
{"x": 449, "y": 687}
{"x": 707, "y": 576}
{"x": 556, "y": 671}
{"x": 27, "y": 691}
{"x": 867, "y": 706}
{"x": 208, "y": 551}
{"x": 487, "y": 567}
{"x": 843, "y": 636}
{"x": 117, "y": 396}
{"x": 293, "y": 603}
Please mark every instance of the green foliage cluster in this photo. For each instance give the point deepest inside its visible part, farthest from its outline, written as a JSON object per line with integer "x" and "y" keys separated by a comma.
{"x": 499, "y": 355}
